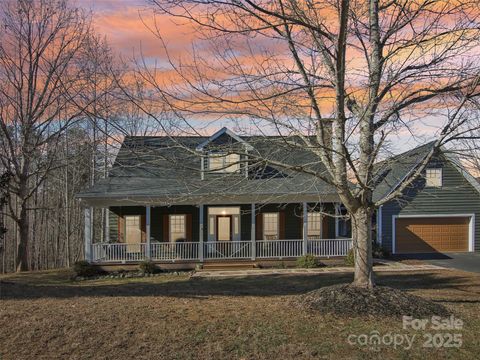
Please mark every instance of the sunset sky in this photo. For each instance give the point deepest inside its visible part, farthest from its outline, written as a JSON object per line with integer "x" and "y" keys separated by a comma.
{"x": 123, "y": 24}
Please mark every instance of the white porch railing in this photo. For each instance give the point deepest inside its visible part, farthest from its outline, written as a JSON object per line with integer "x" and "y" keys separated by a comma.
{"x": 172, "y": 251}
{"x": 329, "y": 247}
{"x": 279, "y": 248}
{"x": 217, "y": 250}
{"x": 227, "y": 250}
{"x": 105, "y": 252}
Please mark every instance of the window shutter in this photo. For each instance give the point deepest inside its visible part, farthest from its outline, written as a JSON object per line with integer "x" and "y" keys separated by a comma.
{"x": 300, "y": 226}
{"x": 325, "y": 223}
{"x": 143, "y": 227}
{"x": 166, "y": 230}
{"x": 121, "y": 228}
{"x": 281, "y": 225}
{"x": 188, "y": 225}
{"x": 259, "y": 226}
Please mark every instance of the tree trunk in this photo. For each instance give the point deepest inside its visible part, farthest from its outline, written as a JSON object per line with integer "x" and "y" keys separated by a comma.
{"x": 23, "y": 227}
{"x": 362, "y": 237}
{"x": 23, "y": 223}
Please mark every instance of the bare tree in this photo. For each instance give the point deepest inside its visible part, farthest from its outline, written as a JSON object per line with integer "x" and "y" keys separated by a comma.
{"x": 4, "y": 180}
{"x": 346, "y": 77}
{"x": 43, "y": 81}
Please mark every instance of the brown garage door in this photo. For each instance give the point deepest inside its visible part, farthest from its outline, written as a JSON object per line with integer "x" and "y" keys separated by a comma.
{"x": 427, "y": 235}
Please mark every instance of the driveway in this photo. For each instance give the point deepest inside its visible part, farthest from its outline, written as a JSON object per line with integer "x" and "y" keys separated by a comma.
{"x": 460, "y": 261}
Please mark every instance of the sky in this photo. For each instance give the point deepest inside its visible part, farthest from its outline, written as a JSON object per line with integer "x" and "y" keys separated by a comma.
{"x": 120, "y": 22}
{"x": 125, "y": 25}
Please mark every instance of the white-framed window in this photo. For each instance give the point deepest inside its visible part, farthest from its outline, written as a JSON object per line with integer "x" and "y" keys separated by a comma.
{"x": 221, "y": 163}
{"x": 314, "y": 225}
{"x": 433, "y": 177}
{"x": 132, "y": 221}
{"x": 270, "y": 226}
{"x": 177, "y": 227}
{"x": 236, "y": 224}
{"x": 133, "y": 232}
{"x": 211, "y": 225}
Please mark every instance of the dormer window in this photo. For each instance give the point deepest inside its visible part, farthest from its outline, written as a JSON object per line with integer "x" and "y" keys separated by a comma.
{"x": 433, "y": 177}
{"x": 217, "y": 153}
{"x": 223, "y": 163}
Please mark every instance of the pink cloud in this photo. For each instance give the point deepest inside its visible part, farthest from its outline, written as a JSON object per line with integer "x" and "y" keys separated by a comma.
{"x": 126, "y": 23}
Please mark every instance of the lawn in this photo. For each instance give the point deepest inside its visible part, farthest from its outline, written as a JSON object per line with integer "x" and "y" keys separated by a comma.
{"x": 44, "y": 315}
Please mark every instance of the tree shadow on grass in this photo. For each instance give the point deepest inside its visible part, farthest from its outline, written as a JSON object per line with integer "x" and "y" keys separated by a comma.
{"x": 420, "y": 256}
{"x": 263, "y": 286}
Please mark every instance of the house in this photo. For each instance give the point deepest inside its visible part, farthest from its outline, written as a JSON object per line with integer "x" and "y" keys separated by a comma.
{"x": 189, "y": 199}
{"x": 437, "y": 213}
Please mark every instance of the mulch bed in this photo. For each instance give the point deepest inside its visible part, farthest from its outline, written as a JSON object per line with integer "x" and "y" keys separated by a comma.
{"x": 349, "y": 300}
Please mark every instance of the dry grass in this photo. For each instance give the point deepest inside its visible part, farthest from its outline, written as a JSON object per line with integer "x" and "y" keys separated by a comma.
{"x": 44, "y": 315}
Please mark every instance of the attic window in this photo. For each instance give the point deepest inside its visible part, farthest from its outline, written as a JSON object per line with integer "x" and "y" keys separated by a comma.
{"x": 433, "y": 177}
{"x": 222, "y": 163}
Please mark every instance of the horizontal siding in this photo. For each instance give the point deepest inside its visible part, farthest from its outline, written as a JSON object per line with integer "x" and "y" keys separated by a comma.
{"x": 293, "y": 219}
{"x": 456, "y": 196}
{"x": 157, "y": 213}
{"x": 293, "y": 224}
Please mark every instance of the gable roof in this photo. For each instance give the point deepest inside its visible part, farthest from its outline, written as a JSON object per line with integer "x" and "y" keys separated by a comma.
{"x": 391, "y": 172}
{"x": 455, "y": 161}
{"x": 219, "y": 133}
{"x": 167, "y": 170}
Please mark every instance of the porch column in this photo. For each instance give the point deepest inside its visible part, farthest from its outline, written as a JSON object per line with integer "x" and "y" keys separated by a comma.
{"x": 88, "y": 234}
{"x": 200, "y": 235}
{"x": 106, "y": 236}
{"x": 379, "y": 225}
{"x": 337, "y": 218}
{"x": 252, "y": 236}
{"x": 148, "y": 232}
{"x": 305, "y": 229}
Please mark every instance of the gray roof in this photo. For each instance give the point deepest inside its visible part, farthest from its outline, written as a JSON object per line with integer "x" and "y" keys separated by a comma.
{"x": 455, "y": 161}
{"x": 390, "y": 172}
{"x": 166, "y": 170}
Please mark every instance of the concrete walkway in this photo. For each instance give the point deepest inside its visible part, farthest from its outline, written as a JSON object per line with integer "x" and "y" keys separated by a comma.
{"x": 389, "y": 266}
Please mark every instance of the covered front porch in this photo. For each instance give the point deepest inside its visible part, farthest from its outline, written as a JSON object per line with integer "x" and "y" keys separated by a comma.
{"x": 215, "y": 232}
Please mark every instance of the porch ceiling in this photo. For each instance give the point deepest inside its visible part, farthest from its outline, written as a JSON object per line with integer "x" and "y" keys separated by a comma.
{"x": 213, "y": 199}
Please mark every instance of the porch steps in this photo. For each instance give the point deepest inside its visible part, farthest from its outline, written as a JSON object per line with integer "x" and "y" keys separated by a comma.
{"x": 228, "y": 266}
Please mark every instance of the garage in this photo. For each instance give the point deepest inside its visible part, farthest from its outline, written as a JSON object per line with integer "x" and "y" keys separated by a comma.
{"x": 432, "y": 234}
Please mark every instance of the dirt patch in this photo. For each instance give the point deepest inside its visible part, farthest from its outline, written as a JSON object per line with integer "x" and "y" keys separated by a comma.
{"x": 348, "y": 300}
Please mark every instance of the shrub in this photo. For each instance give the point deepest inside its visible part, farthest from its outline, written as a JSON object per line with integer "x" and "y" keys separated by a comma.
{"x": 350, "y": 258}
{"x": 147, "y": 267}
{"x": 85, "y": 269}
{"x": 379, "y": 252}
{"x": 307, "y": 262}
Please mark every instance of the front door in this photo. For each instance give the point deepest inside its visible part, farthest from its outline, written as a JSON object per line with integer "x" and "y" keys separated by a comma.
{"x": 224, "y": 228}
{"x": 133, "y": 232}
